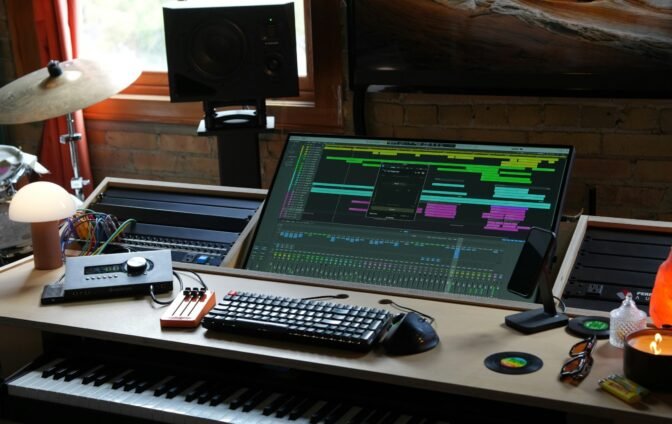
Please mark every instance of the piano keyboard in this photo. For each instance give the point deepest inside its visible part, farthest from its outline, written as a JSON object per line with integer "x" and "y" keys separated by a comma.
{"x": 83, "y": 380}
{"x": 152, "y": 395}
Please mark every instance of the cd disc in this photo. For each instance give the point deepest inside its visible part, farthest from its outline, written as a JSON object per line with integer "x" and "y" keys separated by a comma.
{"x": 587, "y": 326}
{"x": 513, "y": 362}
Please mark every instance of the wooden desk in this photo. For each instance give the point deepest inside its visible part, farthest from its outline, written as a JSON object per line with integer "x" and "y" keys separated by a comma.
{"x": 468, "y": 334}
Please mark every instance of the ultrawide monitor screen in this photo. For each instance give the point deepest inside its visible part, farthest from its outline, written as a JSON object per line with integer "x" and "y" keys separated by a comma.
{"x": 418, "y": 215}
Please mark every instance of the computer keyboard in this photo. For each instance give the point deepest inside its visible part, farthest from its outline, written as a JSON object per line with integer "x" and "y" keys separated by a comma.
{"x": 303, "y": 320}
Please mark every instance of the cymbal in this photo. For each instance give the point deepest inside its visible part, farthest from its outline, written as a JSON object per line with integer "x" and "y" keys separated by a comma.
{"x": 39, "y": 95}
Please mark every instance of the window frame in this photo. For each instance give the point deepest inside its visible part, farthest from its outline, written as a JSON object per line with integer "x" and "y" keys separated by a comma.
{"x": 318, "y": 108}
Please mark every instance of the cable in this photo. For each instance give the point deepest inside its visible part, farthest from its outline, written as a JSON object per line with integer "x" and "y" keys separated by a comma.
{"x": 179, "y": 279}
{"x": 406, "y": 308}
{"x": 332, "y": 296}
{"x": 563, "y": 306}
{"x": 166, "y": 302}
{"x": 200, "y": 280}
{"x": 114, "y": 235}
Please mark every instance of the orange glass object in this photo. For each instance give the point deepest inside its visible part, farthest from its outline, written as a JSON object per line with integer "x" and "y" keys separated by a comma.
{"x": 660, "y": 306}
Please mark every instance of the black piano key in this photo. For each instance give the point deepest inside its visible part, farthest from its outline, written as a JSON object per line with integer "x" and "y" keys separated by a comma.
{"x": 241, "y": 398}
{"x": 336, "y": 414}
{"x": 181, "y": 385}
{"x": 77, "y": 370}
{"x": 132, "y": 382}
{"x": 147, "y": 382}
{"x": 289, "y": 406}
{"x": 121, "y": 379}
{"x": 391, "y": 418}
{"x": 48, "y": 372}
{"x": 208, "y": 392}
{"x": 376, "y": 417}
{"x": 255, "y": 400}
{"x": 418, "y": 420}
{"x": 321, "y": 413}
{"x": 195, "y": 391}
{"x": 62, "y": 370}
{"x": 107, "y": 375}
{"x": 221, "y": 394}
{"x": 359, "y": 417}
{"x": 275, "y": 404}
{"x": 163, "y": 387}
{"x": 301, "y": 408}
{"x": 91, "y": 375}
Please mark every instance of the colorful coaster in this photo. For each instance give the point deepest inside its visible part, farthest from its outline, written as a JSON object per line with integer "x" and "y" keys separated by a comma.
{"x": 513, "y": 362}
{"x": 587, "y": 326}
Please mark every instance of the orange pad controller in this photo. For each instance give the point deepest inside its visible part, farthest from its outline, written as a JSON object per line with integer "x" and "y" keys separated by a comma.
{"x": 188, "y": 310}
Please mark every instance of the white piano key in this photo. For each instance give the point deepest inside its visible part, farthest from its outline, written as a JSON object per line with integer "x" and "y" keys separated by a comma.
{"x": 45, "y": 389}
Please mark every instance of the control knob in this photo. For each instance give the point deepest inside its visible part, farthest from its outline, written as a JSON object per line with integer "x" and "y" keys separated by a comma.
{"x": 136, "y": 265}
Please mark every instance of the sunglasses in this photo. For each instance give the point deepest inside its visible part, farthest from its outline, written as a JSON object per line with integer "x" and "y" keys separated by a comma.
{"x": 580, "y": 362}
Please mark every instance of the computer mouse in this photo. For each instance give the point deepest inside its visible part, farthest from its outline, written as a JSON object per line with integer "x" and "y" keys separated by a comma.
{"x": 409, "y": 333}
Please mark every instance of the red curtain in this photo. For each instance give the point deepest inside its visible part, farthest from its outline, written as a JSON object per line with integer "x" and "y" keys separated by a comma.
{"x": 56, "y": 26}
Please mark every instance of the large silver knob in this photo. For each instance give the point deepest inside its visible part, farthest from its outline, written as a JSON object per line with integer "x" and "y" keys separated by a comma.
{"x": 136, "y": 265}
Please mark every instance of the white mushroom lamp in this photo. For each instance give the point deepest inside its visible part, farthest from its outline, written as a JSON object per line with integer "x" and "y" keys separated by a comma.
{"x": 43, "y": 205}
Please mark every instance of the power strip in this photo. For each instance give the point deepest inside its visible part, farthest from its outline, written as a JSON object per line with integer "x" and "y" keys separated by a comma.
{"x": 188, "y": 310}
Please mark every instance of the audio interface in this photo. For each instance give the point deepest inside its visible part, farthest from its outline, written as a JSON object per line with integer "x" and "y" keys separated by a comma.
{"x": 119, "y": 274}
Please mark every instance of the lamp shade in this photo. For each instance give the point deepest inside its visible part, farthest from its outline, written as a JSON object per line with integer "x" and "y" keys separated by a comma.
{"x": 41, "y": 201}
{"x": 660, "y": 305}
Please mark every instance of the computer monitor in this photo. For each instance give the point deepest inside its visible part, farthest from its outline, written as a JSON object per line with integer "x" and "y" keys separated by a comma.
{"x": 409, "y": 215}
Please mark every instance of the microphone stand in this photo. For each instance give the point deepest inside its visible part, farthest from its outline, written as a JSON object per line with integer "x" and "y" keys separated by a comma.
{"x": 77, "y": 182}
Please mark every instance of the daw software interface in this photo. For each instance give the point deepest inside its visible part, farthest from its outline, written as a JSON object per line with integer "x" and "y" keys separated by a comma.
{"x": 432, "y": 216}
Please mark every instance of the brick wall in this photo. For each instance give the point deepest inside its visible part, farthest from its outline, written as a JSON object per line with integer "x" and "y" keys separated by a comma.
{"x": 624, "y": 147}
{"x": 165, "y": 152}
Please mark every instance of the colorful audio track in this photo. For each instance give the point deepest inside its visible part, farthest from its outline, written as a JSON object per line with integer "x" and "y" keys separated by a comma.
{"x": 509, "y": 192}
{"x": 412, "y": 214}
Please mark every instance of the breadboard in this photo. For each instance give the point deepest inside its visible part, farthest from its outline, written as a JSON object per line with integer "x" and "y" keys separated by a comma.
{"x": 188, "y": 309}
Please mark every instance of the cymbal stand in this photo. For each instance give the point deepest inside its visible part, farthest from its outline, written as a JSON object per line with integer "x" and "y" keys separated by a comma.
{"x": 77, "y": 182}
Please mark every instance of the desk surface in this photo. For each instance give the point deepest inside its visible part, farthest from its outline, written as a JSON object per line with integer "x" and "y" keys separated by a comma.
{"x": 468, "y": 335}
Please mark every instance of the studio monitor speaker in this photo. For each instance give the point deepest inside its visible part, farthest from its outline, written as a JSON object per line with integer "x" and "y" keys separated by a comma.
{"x": 230, "y": 50}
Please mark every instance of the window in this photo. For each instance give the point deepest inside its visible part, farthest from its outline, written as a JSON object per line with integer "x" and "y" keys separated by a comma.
{"x": 141, "y": 37}
{"x": 135, "y": 29}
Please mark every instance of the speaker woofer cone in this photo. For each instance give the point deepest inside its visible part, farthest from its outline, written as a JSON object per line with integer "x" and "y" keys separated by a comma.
{"x": 217, "y": 51}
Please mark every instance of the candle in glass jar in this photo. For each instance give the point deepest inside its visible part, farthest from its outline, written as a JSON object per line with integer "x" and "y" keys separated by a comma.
{"x": 640, "y": 362}
{"x": 643, "y": 342}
